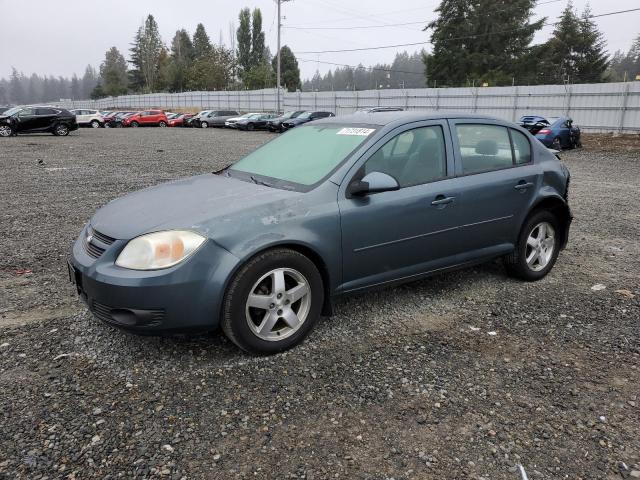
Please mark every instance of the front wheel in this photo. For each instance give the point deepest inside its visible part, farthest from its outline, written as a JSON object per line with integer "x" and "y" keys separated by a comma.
{"x": 204, "y": 125}
{"x": 134, "y": 125}
{"x": 557, "y": 144}
{"x": 251, "y": 127}
{"x": 537, "y": 249}
{"x": 162, "y": 124}
{"x": 273, "y": 302}
{"x": 61, "y": 130}
{"x": 6, "y": 130}
{"x": 95, "y": 124}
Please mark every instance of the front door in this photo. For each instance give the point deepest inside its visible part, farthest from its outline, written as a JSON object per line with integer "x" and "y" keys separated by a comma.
{"x": 27, "y": 120}
{"x": 400, "y": 234}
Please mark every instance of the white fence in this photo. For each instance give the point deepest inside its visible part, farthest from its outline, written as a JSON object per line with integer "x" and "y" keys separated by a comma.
{"x": 602, "y": 107}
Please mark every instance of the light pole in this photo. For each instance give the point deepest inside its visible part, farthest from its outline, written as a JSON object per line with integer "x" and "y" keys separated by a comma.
{"x": 278, "y": 68}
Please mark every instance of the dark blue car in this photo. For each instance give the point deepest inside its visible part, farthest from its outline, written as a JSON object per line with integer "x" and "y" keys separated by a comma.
{"x": 553, "y": 132}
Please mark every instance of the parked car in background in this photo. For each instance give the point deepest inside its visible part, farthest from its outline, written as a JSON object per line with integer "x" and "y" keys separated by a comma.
{"x": 553, "y": 132}
{"x": 258, "y": 121}
{"x": 231, "y": 122}
{"x": 146, "y": 118}
{"x": 4, "y": 109}
{"x": 116, "y": 120}
{"x": 334, "y": 207}
{"x": 381, "y": 109}
{"x": 195, "y": 120}
{"x": 215, "y": 118}
{"x": 178, "y": 119}
{"x": 36, "y": 119}
{"x": 275, "y": 124}
{"x": 304, "y": 118}
{"x": 88, "y": 118}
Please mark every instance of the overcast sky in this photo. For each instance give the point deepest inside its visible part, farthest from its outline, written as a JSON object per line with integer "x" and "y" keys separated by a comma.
{"x": 61, "y": 38}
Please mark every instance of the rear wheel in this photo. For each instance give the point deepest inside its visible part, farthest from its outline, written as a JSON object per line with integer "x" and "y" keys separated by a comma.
{"x": 273, "y": 302}
{"x": 61, "y": 130}
{"x": 6, "y": 130}
{"x": 94, "y": 124}
{"x": 557, "y": 143}
{"x": 537, "y": 249}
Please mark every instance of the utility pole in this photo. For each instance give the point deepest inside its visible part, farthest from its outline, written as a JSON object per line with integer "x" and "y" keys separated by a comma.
{"x": 278, "y": 68}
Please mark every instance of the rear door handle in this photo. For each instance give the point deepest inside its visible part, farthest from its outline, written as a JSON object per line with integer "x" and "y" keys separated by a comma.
{"x": 523, "y": 185}
{"x": 442, "y": 200}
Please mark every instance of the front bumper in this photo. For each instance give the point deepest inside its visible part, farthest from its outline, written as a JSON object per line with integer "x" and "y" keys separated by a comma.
{"x": 184, "y": 298}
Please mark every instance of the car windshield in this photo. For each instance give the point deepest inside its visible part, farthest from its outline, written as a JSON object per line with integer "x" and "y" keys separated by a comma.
{"x": 12, "y": 111}
{"x": 303, "y": 156}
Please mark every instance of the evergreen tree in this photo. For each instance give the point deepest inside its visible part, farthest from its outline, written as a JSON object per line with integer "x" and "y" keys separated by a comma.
{"x": 97, "y": 93}
{"x": 480, "y": 40}
{"x": 76, "y": 88}
{"x": 89, "y": 81}
{"x": 593, "y": 58}
{"x": 182, "y": 56}
{"x": 113, "y": 73}
{"x": 145, "y": 53}
{"x": 290, "y": 72}
{"x": 201, "y": 44}
{"x": 257, "y": 39}
{"x": 17, "y": 92}
{"x": 244, "y": 41}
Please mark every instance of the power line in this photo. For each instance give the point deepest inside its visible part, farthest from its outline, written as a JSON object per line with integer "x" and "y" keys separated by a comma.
{"x": 413, "y": 44}
{"x": 293, "y": 27}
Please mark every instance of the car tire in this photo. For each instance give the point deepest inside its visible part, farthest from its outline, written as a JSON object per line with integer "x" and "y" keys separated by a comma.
{"x": 251, "y": 127}
{"x": 280, "y": 316}
{"x": 60, "y": 130}
{"x": 119, "y": 125}
{"x": 94, "y": 124}
{"x": 162, "y": 124}
{"x": 537, "y": 249}
{"x": 204, "y": 125}
{"x": 6, "y": 130}
{"x": 134, "y": 124}
{"x": 557, "y": 143}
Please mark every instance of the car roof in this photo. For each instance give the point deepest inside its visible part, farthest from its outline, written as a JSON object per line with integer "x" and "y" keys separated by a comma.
{"x": 386, "y": 118}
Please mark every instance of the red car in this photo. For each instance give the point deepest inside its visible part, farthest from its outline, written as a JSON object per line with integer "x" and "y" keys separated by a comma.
{"x": 146, "y": 118}
{"x": 179, "y": 119}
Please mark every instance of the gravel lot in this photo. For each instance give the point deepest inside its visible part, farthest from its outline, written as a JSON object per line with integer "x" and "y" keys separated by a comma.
{"x": 464, "y": 375}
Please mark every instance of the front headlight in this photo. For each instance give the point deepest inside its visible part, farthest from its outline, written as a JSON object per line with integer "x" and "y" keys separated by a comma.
{"x": 159, "y": 250}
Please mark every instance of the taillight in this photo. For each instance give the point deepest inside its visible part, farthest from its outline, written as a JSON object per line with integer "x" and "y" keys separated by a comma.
{"x": 544, "y": 131}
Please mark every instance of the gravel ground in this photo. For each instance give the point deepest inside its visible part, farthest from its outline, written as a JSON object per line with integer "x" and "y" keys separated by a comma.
{"x": 462, "y": 376}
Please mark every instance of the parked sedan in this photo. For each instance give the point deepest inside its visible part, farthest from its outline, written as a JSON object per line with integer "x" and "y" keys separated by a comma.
{"x": 37, "y": 120}
{"x": 147, "y": 118}
{"x": 334, "y": 207}
{"x": 258, "y": 121}
{"x": 216, "y": 118}
{"x": 195, "y": 120}
{"x": 178, "y": 119}
{"x": 117, "y": 119}
{"x": 561, "y": 133}
{"x": 231, "y": 122}
{"x": 304, "y": 118}
{"x": 275, "y": 124}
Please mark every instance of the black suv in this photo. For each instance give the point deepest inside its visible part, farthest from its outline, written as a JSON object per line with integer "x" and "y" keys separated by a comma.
{"x": 37, "y": 119}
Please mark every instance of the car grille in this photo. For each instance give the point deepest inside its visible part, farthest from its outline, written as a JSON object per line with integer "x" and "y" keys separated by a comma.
{"x": 93, "y": 250}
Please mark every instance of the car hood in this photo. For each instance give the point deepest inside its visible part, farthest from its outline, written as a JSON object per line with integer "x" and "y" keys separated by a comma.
{"x": 206, "y": 203}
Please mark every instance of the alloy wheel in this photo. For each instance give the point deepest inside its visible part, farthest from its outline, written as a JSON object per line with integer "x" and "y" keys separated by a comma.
{"x": 62, "y": 130}
{"x": 95, "y": 124}
{"x": 5, "y": 131}
{"x": 541, "y": 244}
{"x": 278, "y": 304}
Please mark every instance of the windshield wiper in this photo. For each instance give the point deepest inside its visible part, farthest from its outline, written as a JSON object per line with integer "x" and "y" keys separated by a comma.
{"x": 259, "y": 182}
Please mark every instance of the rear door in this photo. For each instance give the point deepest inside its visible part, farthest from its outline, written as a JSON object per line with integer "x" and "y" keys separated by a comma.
{"x": 498, "y": 181}
{"x": 46, "y": 117}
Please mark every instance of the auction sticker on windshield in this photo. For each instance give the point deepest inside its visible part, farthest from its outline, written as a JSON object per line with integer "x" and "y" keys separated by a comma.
{"x": 363, "y": 132}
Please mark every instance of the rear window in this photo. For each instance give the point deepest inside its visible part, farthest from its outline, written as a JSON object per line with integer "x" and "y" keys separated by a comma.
{"x": 521, "y": 148}
{"x": 484, "y": 148}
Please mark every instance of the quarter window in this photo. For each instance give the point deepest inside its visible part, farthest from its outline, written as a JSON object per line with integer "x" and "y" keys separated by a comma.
{"x": 521, "y": 147}
{"x": 414, "y": 157}
{"x": 484, "y": 148}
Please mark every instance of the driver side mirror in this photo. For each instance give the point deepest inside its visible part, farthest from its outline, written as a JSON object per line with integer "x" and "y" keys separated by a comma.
{"x": 374, "y": 182}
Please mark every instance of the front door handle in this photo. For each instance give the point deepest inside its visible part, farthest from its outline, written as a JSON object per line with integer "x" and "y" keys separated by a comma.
{"x": 442, "y": 200}
{"x": 522, "y": 185}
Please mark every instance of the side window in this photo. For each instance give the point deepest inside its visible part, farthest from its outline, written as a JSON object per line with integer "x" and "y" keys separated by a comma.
{"x": 27, "y": 112}
{"x": 484, "y": 148}
{"x": 46, "y": 111}
{"x": 521, "y": 147}
{"x": 414, "y": 157}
